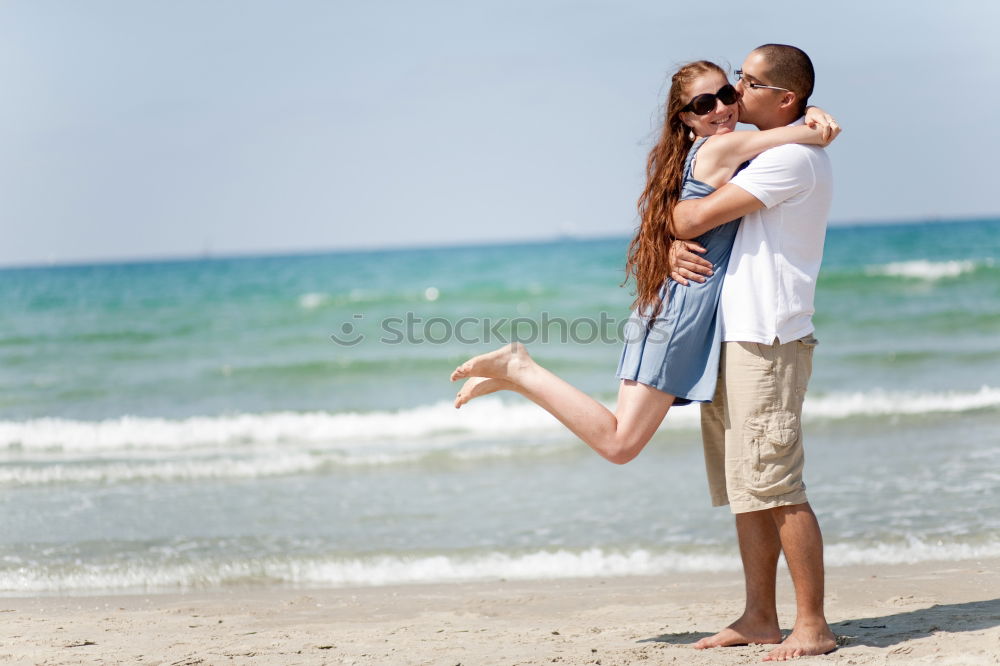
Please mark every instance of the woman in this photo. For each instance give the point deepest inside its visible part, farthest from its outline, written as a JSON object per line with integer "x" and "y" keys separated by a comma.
{"x": 672, "y": 357}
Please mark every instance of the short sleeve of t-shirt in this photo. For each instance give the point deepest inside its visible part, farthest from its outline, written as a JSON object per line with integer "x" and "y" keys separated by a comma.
{"x": 777, "y": 175}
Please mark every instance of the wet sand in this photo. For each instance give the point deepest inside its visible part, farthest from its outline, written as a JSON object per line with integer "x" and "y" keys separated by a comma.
{"x": 935, "y": 612}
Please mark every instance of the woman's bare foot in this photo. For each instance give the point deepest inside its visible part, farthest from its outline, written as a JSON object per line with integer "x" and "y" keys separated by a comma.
{"x": 503, "y": 363}
{"x": 478, "y": 386}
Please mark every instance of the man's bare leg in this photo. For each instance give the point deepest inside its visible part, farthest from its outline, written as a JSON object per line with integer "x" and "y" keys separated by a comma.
{"x": 617, "y": 436}
{"x": 802, "y": 542}
{"x": 760, "y": 547}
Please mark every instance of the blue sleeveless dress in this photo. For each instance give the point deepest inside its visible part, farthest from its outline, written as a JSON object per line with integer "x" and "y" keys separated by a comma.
{"x": 679, "y": 353}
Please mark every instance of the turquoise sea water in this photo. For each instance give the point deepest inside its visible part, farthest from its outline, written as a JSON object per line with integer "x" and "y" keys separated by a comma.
{"x": 195, "y": 423}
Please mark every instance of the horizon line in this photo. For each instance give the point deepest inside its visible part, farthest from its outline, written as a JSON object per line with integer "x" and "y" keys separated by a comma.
{"x": 366, "y": 249}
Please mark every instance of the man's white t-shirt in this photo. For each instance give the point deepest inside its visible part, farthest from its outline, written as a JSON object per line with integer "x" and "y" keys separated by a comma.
{"x": 771, "y": 280}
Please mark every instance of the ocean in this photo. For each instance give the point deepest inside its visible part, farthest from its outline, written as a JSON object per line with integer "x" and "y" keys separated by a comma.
{"x": 287, "y": 420}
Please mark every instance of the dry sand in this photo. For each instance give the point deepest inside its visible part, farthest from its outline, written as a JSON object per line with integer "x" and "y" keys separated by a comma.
{"x": 940, "y": 613}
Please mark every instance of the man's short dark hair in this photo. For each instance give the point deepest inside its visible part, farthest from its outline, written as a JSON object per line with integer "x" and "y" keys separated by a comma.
{"x": 789, "y": 67}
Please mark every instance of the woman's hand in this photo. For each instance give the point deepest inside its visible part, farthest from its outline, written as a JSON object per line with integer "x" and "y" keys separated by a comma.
{"x": 822, "y": 135}
{"x": 817, "y": 118}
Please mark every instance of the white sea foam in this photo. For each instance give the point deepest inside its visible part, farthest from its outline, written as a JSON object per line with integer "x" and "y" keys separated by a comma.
{"x": 409, "y": 431}
{"x": 163, "y": 470}
{"x": 394, "y": 569}
{"x": 490, "y": 418}
{"x": 373, "y": 570}
{"x": 900, "y": 403}
{"x": 312, "y": 300}
{"x": 913, "y": 551}
{"x": 922, "y": 269}
{"x": 263, "y": 463}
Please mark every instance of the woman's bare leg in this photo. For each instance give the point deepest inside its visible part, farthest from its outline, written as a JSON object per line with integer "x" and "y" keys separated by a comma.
{"x": 475, "y": 387}
{"x": 617, "y": 436}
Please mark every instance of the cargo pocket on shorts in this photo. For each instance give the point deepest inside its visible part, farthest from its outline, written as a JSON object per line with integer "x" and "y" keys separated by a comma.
{"x": 775, "y": 453}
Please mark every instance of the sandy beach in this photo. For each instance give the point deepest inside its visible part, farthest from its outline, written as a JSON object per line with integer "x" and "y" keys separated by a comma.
{"x": 941, "y": 613}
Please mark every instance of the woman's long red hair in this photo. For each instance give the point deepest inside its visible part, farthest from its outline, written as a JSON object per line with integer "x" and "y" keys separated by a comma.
{"x": 649, "y": 252}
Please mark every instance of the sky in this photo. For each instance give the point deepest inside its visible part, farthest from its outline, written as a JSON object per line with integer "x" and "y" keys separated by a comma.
{"x": 141, "y": 129}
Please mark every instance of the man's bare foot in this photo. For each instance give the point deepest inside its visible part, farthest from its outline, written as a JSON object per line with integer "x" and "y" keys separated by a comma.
{"x": 743, "y": 632}
{"x": 478, "y": 386}
{"x": 500, "y": 363}
{"x": 804, "y": 642}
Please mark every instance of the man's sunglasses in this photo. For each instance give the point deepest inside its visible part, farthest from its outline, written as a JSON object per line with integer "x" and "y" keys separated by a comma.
{"x": 750, "y": 84}
{"x": 702, "y": 104}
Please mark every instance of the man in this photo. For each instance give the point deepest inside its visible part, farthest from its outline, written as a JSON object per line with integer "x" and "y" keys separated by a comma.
{"x": 751, "y": 430}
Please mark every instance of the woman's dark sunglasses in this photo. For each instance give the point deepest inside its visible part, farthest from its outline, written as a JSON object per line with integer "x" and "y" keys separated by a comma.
{"x": 702, "y": 104}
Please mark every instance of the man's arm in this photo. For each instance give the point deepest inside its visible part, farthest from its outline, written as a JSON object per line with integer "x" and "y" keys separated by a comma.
{"x": 774, "y": 177}
{"x": 694, "y": 217}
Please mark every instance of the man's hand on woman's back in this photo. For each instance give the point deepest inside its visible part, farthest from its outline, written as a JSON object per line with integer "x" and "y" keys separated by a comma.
{"x": 686, "y": 264}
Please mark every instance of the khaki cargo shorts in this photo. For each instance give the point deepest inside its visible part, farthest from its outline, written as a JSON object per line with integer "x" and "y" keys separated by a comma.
{"x": 752, "y": 429}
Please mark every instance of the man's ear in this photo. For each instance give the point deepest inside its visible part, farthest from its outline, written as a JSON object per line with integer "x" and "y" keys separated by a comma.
{"x": 789, "y": 99}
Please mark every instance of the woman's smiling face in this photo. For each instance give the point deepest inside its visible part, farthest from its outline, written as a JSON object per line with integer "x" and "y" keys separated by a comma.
{"x": 719, "y": 120}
